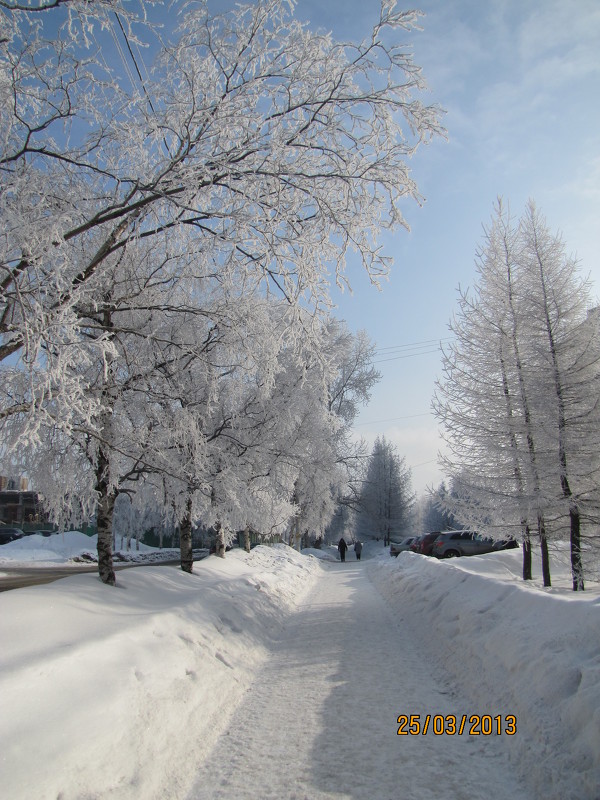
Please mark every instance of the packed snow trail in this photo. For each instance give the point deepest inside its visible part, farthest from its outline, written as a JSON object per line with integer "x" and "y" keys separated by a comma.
{"x": 321, "y": 719}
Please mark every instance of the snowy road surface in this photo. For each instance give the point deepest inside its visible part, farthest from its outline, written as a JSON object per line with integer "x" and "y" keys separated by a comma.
{"x": 320, "y": 720}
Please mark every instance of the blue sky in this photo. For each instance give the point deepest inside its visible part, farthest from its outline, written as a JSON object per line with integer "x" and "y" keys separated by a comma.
{"x": 520, "y": 81}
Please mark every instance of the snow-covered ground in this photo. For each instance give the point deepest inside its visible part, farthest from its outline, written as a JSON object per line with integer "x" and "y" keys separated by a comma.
{"x": 279, "y": 675}
{"x": 72, "y": 547}
{"x": 512, "y": 649}
{"x": 119, "y": 692}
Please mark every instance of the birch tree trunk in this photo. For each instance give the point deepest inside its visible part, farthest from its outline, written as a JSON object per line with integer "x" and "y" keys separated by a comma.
{"x": 185, "y": 538}
{"x": 544, "y": 551}
{"x": 576, "y": 565}
{"x": 105, "y": 490}
{"x": 527, "y": 573}
{"x": 104, "y": 517}
{"x": 220, "y": 543}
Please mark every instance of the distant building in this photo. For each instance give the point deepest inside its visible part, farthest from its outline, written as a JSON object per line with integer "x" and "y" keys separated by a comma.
{"x": 18, "y": 507}
{"x": 13, "y": 484}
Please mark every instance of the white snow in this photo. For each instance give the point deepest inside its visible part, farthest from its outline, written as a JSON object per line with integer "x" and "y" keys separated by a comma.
{"x": 512, "y": 648}
{"x": 116, "y": 692}
{"x": 322, "y": 555}
{"x": 278, "y": 675}
{"x": 62, "y": 548}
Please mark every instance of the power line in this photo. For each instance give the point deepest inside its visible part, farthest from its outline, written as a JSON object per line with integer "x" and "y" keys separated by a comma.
{"x": 120, "y": 50}
{"x": 398, "y": 351}
{"x": 406, "y": 355}
{"x": 137, "y": 69}
{"x": 380, "y": 350}
{"x": 424, "y": 463}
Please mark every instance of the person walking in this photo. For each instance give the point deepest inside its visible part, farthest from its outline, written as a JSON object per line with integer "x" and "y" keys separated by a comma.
{"x": 342, "y": 547}
{"x": 358, "y": 549}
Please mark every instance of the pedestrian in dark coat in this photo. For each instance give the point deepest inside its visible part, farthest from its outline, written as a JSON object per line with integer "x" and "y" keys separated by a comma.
{"x": 358, "y": 550}
{"x": 342, "y": 547}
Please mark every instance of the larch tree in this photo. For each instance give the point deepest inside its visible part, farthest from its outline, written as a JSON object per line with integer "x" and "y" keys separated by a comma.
{"x": 567, "y": 373}
{"x": 483, "y": 404}
{"x": 386, "y": 498}
{"x": 518, "y": 401}
{"x": 435, "y": 514}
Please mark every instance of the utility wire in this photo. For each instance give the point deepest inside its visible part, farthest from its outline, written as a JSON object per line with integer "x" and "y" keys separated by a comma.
{"x": 121, "y": 53}
{"x": 425, "y": 342}
{"x": 406, "y": 355}
{"x": 398, "y": 351}
{"x": 137, "y": 69}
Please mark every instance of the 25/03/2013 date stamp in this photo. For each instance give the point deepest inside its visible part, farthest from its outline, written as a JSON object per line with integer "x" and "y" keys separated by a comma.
{"x": 452, "y": 725}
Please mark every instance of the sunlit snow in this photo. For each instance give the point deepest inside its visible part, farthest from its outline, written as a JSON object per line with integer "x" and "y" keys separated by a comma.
{"x": 279, "y": 675}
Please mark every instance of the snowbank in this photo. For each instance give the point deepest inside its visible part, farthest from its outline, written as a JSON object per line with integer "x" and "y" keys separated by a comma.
{"x": 111, "y": 692}
{"x": 64, "y": 548}
{"x": 322, "y": 555}
{"x": 513, "y": 649}
{"x": 120, "y": 692}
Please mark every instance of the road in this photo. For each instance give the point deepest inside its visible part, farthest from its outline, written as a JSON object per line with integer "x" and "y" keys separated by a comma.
{"x": 320, "y": 722}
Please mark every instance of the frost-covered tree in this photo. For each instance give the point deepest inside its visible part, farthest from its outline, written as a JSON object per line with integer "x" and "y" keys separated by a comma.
{"x": 348, "y": 376}
{"x": 256, "y": 144}
{"x": 205, "y": 410}
{"x": 435, "y": 513}
{"x": 245, "y": 432}
{"x": 483, "y": 402}
{"x": 351, "y": 388}
{"x": 567, "y": 374}
{"x": 518, "y": 401}
{"x": 256, "y": 152}
{"x": 386, "y": 498}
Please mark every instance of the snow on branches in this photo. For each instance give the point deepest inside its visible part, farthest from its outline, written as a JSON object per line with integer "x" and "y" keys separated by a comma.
{"x": 143, "y": 198}
{"x": 519, "y": 397}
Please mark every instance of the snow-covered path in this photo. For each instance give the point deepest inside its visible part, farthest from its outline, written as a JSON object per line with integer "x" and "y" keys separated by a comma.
{"x": 320, "y": 721}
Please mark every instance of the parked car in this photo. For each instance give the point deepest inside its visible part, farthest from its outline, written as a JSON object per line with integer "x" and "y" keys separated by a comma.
{"x": 400, "y": 547}
{"x": 426, "y": 543}
{"x": 507, "y": 544}
{"x": 451, "y": 544}
{"x": 10, "y": 534}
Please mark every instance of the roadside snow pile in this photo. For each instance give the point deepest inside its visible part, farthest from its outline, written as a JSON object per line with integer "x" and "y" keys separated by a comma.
{"x": 513, "y": 649}
{"x": 37, "y": 550}
{"x": 72, "y": 546}
{"x": 323, "y": 555}
{"x": 111, "y": 692}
